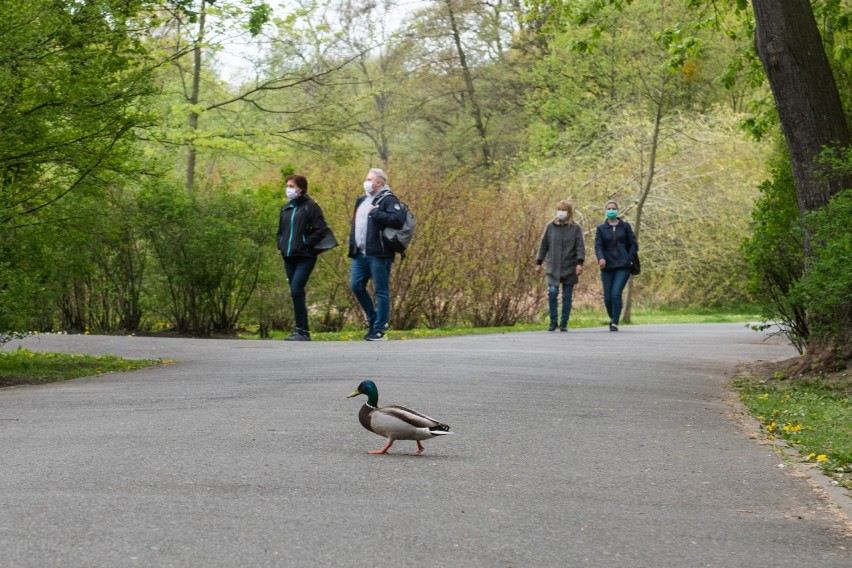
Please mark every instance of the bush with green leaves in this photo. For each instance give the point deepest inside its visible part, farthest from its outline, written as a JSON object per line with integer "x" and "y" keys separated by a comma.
{"x": 775, "y": 255}
{"x": 827, "y": 287}
{"x": 209, "y": 248}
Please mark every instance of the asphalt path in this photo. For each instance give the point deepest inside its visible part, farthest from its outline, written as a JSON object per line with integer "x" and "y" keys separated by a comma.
{"x": 585, "y": 448}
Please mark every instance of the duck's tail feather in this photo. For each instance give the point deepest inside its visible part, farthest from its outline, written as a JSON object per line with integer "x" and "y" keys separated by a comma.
{"x": 440, "y": 430}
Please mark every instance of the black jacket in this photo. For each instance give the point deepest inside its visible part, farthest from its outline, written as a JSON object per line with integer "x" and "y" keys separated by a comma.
{"x": 616, "y": 244}
{"x": 301, "y": 225}
{"x": 389, "y": 214}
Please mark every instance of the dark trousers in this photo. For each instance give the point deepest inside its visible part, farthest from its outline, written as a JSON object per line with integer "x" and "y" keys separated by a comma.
{"x": 553, "y": 303}
{"x": 377, "y": 269}
{"x": 614, "y": 282}
{"x": 298, "y": 270}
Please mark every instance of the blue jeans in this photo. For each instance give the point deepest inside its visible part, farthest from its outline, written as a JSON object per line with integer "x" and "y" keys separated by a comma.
{"x": 614, "y": 282}
{"x": 298, "y": 270}
{"x": 553, "y": 299}
{"x": 377, "y": 269}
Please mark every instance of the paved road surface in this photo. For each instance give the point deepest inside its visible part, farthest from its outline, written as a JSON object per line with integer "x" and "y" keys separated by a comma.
{"x": 585, "y": 448}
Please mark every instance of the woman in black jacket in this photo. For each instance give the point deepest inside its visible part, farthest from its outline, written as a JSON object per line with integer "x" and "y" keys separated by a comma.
{"x": 301, "y": 226}
{"x": 615, "y": 247}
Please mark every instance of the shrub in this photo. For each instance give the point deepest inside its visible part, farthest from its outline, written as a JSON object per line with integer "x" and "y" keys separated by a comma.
{"x": 827, "y": 287}
{"x": 775, "y": 255}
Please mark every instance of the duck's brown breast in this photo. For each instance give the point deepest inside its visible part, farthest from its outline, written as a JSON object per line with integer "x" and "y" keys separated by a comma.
{"x": 364, "y": 417}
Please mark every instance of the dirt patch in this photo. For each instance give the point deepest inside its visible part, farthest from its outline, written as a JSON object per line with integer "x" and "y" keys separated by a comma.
{"x": 790, "y": 370}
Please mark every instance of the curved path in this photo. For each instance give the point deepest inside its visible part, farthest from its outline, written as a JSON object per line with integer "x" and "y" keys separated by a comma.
{"x": 585, "y": 448}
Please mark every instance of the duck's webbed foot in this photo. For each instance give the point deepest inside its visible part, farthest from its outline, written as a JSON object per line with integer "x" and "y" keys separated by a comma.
{"x": 420, "y": 449}
{"x": 383, "y": 450}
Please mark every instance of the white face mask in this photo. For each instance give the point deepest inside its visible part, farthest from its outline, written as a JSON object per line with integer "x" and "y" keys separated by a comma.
{"x": 368, "y": 187}
{"x": 292, "y": 193}
{"x": 561, "y": 214}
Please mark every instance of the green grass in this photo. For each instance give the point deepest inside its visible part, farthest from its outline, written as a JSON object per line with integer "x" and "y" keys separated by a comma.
{"x": 579, "y": 319}
{"x": 23, "y": 367}
{"x": 812, "y": 416}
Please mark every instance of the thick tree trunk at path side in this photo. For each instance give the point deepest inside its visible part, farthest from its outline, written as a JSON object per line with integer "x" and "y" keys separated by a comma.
{"x": 788, "y": 43}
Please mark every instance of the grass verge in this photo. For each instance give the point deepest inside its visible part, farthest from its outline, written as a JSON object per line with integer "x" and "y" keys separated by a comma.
{"x": 579, "y": 319}
{"x": 24, "y": 367}
{"x": 813, "y": 415}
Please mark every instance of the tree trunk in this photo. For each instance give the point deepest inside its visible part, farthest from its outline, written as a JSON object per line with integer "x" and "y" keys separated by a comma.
{"x": 789, "y": 45}
{"x": 647, "y": 184}
{"x": 193, "y": 98}
{"x": 476, "y": 112}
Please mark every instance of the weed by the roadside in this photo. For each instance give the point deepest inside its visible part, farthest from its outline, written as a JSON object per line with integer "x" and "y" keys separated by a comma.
{"x": 24, "y": 367}
{"x": 813, "y": 416}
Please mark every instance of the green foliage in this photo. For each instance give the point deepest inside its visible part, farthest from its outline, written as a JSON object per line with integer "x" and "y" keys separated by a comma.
{"x": 209, "y": 248}
{"x": 775, "y": 254}
{"x": 74, "y": 84}
{"x": 827, "y": 287}
{"x": 129, "y": 250}
{"x": 259, "y": 15}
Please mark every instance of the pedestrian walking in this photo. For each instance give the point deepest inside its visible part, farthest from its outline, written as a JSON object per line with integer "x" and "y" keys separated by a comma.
{"x": 564, "y": 251}
{"x": 301, "y": 225}
{"x": 371, "y": 253}
{"x": 615, "y": 247}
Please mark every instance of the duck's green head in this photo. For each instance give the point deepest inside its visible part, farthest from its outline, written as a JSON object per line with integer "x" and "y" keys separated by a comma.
{"x": 368, "y": 388}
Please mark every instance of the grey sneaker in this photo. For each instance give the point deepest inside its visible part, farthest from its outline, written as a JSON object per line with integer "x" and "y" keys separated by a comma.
{"x": 376, "y": 336}
{"x": 296, "y": 336}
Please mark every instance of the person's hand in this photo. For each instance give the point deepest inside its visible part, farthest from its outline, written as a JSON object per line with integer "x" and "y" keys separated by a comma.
{"x": 602, "y": 263}
{"x": 579, "y": 269}
{"x": 538, "y": 267}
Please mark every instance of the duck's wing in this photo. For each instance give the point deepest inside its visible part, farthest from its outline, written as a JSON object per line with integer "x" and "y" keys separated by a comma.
{"x": 409, "y": 415}
{"x": 401, "y": 423}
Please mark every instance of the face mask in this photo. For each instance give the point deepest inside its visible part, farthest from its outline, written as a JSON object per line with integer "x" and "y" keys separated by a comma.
{"x": 561, "y": 214}
{"x": 368, "y": 187}
{"x": 292, "y": 193}
{"x": 611, "y": 213}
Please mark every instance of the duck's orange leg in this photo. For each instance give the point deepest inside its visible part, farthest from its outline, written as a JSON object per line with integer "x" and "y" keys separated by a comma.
{"x": 420, "y": 449}
{"x": 383, "y": 450}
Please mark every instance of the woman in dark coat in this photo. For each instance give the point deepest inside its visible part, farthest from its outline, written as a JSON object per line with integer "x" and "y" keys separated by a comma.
{"x": 563, "y": 248}
{"x": 301, "y": 226}
{"x": 615, "y": 247}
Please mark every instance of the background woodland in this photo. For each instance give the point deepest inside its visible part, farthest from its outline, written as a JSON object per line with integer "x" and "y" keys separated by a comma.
{"x": 141, "y": 168}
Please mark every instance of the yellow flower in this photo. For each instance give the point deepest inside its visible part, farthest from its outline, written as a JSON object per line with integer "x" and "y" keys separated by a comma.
{"x": 821, "y": 458}
{"x": 811, "y": 456}
{"x": 764, "y": 396}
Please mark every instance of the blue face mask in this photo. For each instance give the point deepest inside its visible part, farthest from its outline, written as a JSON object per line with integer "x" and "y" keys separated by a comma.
{"x": 611, "y": 213}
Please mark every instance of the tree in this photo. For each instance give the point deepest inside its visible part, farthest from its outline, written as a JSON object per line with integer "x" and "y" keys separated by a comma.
{"x": 790, "y": 47}
{"x": 73, "y": 78}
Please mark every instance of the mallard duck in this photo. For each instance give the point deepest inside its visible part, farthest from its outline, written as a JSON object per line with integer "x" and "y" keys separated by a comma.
{"x": 395, "y": 422}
